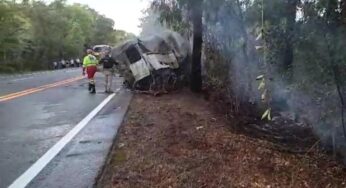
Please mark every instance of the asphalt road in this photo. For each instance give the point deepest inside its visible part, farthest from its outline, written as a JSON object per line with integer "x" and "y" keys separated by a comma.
{"x": 38, "y": 110}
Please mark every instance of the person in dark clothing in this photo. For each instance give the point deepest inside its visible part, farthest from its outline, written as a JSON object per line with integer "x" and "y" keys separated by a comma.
{"x": 108, "y": 64}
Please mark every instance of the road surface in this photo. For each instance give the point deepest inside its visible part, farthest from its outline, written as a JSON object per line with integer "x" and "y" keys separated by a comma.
{"x": 53, "y": 133}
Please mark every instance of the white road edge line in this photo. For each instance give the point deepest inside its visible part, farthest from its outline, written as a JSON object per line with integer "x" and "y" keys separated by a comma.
{"x": 23, "y": 180}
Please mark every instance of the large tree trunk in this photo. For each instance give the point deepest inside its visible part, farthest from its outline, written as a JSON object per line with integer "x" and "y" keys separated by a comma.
{"x": 196, "y": 69}
{"x": 343, "y": 12}
{"x": 332, "y": 14}
{"x": 291, "y": 20}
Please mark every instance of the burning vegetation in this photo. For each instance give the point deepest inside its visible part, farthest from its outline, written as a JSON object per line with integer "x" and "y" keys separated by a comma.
{"x": 270, "y": 63}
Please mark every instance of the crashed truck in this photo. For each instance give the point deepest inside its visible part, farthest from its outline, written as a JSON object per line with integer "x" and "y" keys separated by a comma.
{"x": 154, "y": 64}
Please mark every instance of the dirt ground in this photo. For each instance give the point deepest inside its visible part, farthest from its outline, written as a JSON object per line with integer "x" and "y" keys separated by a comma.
{"x": 177, "y": 140}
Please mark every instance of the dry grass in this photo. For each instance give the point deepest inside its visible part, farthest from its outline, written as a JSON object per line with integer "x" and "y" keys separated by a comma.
{"x": 177, "y": 141}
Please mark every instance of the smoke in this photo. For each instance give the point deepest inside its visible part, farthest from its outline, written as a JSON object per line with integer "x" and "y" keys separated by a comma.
{"x": 305, "y": 99}
{"x": 151, "y": 24}
{"x": 229, "y": 53}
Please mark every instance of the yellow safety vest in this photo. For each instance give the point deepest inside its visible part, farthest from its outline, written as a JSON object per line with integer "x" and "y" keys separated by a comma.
{"x": 90, "y": 60}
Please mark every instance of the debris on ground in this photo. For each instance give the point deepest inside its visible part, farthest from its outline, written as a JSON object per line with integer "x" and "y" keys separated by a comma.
{"x": 177, "y": 140}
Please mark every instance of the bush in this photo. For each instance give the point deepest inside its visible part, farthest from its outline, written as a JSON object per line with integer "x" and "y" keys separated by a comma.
{"x": 7, "y": 69}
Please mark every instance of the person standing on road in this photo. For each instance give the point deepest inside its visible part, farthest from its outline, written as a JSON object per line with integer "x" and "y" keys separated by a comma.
{"x": 63, "y": 63}
{"x": 55, "y": 64}
{"x": 108, "y": 70}
{"x": 72, "y": 63}
{"x": 90, "y": 66}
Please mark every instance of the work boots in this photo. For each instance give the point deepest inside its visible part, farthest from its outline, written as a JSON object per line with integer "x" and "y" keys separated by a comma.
{"x": 89, "y": 87}
{"x": 93, "y": 89}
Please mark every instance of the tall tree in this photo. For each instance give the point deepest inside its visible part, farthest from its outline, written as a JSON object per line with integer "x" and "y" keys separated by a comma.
{"x": 343, "y": 12}
{"x": 33, "y": 33}
{"x": 290, "y": 14}
{"x": 196, "y": 69}
{"x": 172, "y": 14}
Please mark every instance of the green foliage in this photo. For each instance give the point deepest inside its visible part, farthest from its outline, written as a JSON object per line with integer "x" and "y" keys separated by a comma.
{"x": 299, "y": 55}
{"x": 267, "y": 114}
{"x": 33, "y": 33}
{"x": 302, "y": 41}
{"x": 171, "y": 14}
{"x": 6, "y": 69}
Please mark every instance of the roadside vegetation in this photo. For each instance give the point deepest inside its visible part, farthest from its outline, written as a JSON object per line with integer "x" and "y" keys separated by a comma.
{"x": 34, "y": 34}
{"x": 268, "y": 61}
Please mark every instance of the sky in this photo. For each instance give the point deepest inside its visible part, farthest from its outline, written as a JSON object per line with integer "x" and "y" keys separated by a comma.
{"x": 125, "y": 13}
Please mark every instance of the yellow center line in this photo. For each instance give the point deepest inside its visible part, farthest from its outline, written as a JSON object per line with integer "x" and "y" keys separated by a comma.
{"x": 33, "y": 89}
{"x": 37, "y": 89}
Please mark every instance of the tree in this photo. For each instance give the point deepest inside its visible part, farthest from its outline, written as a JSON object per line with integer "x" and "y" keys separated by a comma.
{"x": 302, "y": 43}
{"x": 33, "y": 33}
{"x": 13, "y": 28}
{"x": 172, "y": 14}
{"x": 103, "y": 29}
{"x": 343, "y": 11}
{"x": 196, "y": 69}
{"x": 290, "y": 14}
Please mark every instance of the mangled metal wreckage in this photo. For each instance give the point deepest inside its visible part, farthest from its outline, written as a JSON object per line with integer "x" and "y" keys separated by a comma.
{"x": 155, "y": 64}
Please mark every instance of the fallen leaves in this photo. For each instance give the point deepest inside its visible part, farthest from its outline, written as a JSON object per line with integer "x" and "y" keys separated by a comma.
{"x": 180, "y": 142}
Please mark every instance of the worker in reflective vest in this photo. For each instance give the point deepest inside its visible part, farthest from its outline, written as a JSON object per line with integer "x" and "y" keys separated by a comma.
{"x": 90, "y": 66}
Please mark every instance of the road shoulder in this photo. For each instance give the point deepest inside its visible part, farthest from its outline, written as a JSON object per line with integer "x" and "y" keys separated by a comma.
{"x": 80, "y": 162}
{"x": 176, "y": 140}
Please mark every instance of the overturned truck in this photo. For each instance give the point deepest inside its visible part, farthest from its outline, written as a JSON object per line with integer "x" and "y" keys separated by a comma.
{"x": 154, "y": 64}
